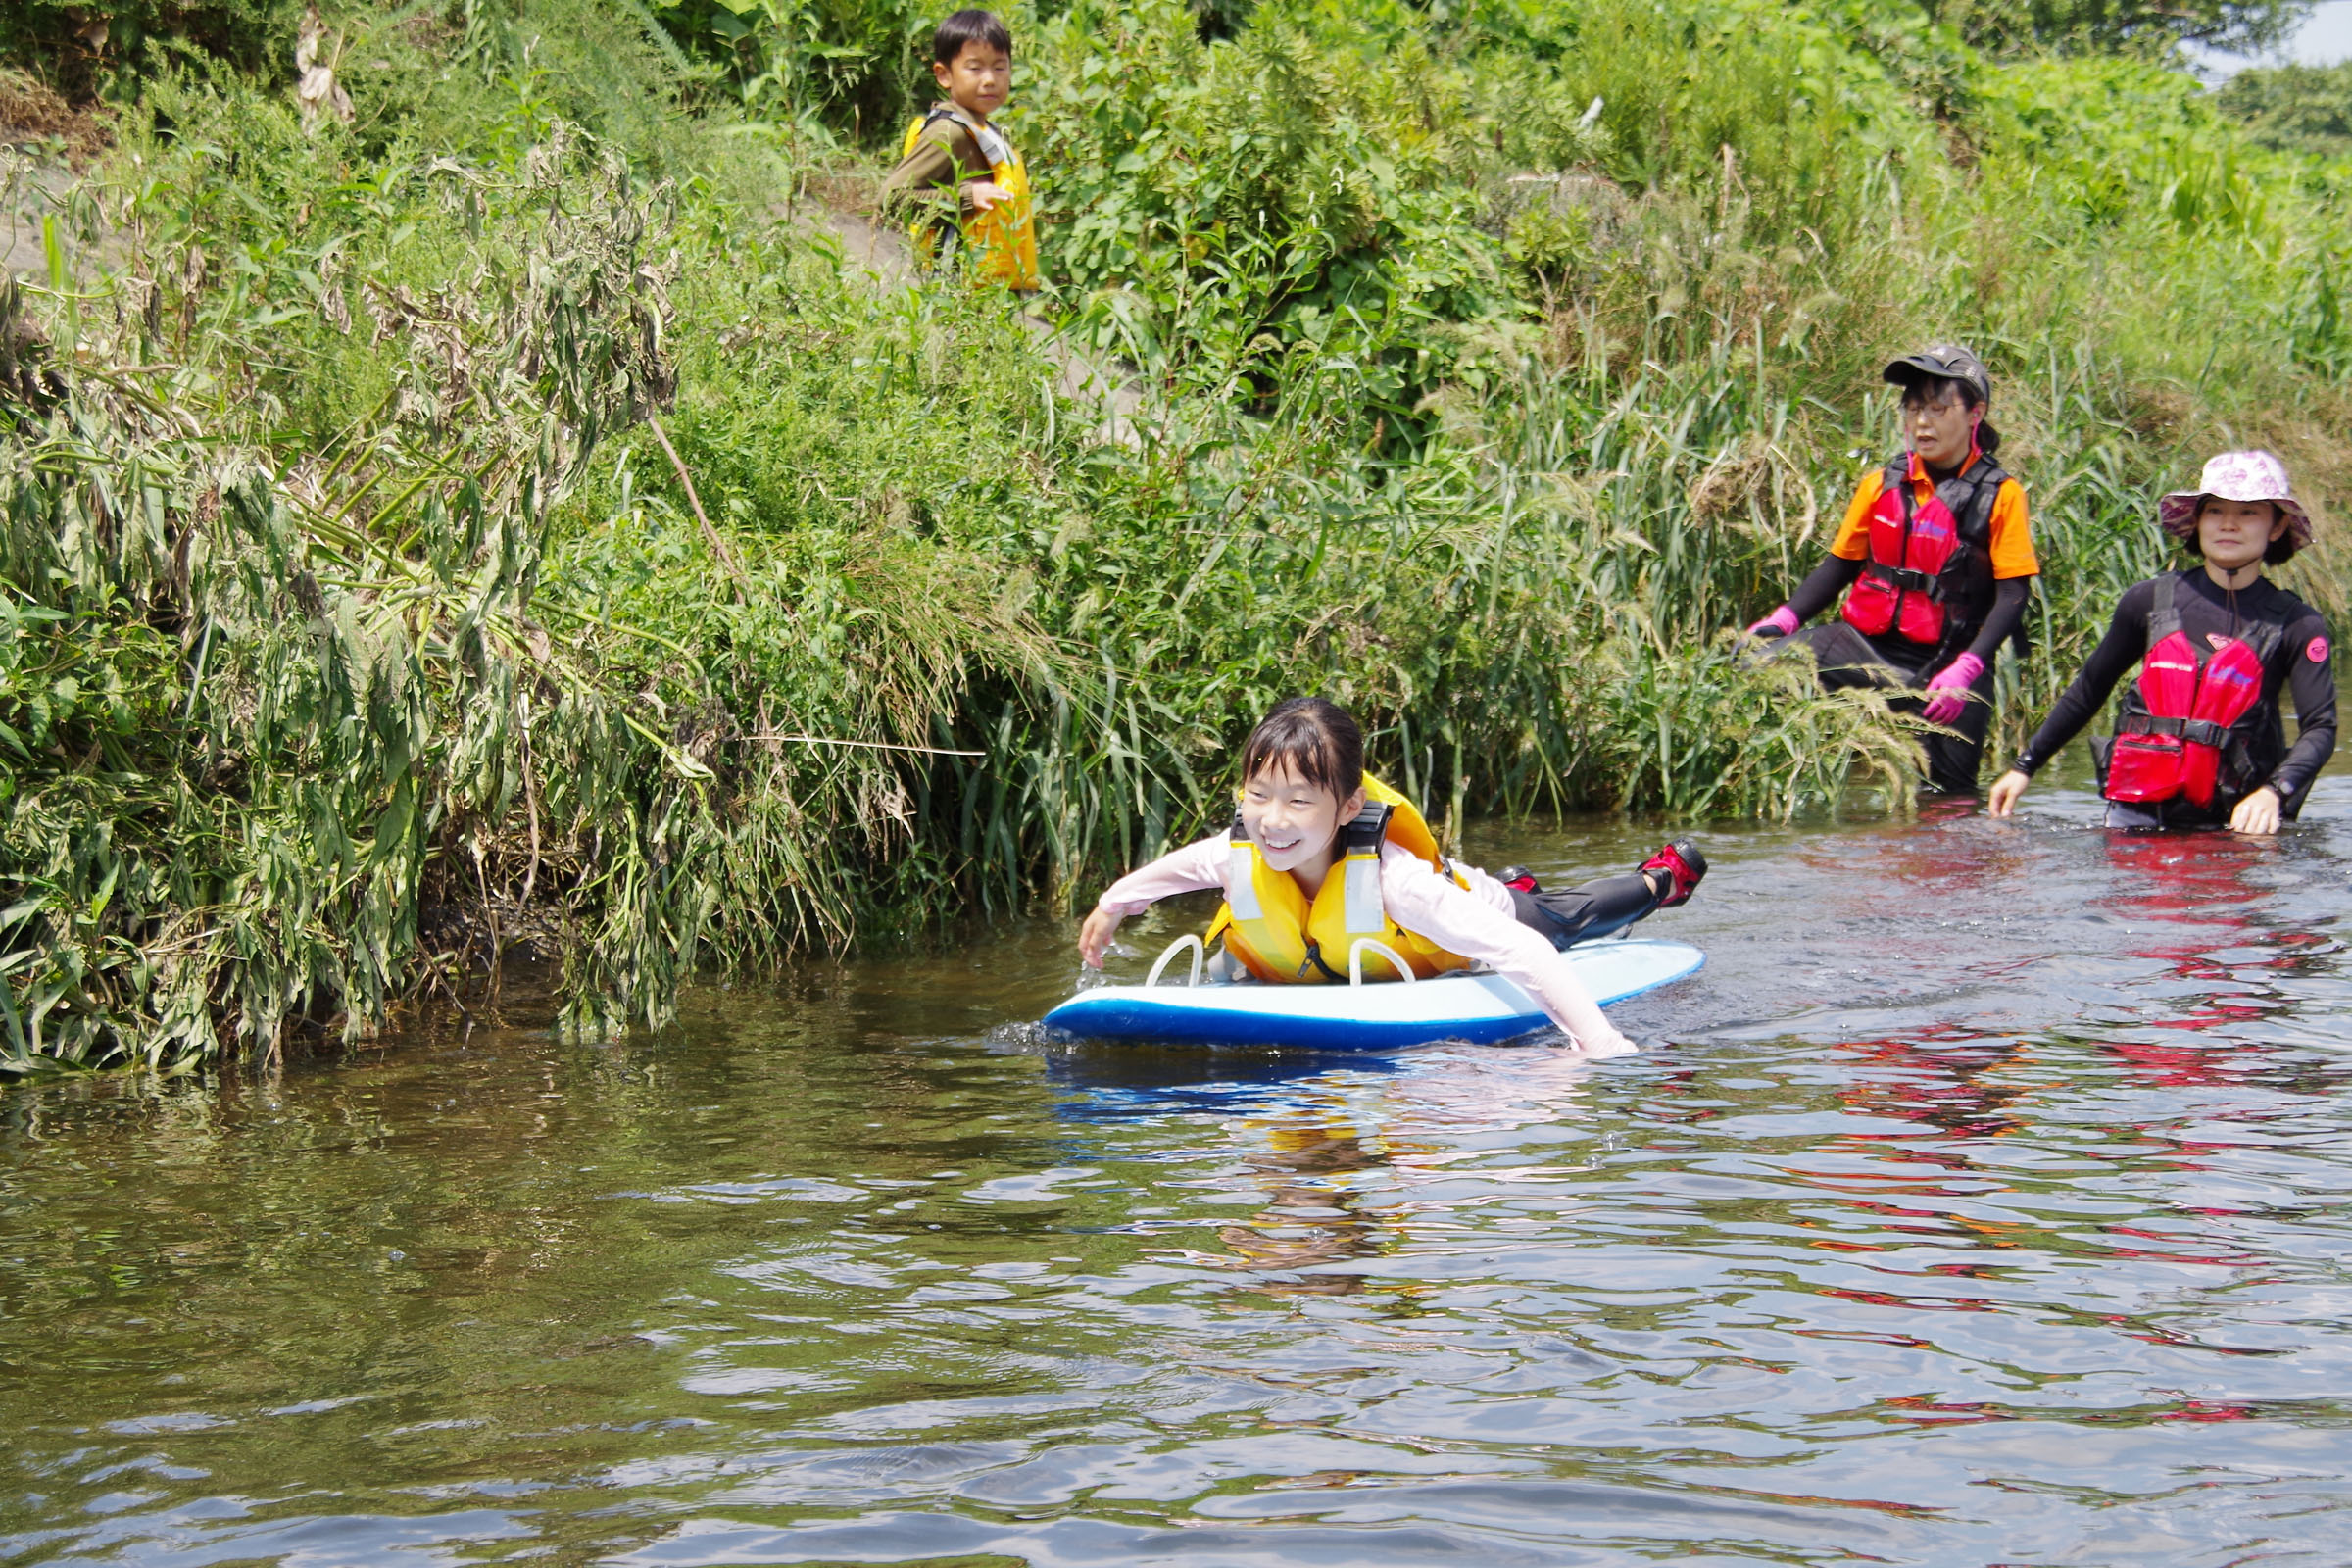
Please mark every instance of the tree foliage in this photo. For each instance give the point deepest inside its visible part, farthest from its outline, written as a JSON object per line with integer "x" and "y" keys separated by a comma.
{"x": 2304, "y": 109}
{"x": 2091, "y": 26}
{"x": 76, "y": 45}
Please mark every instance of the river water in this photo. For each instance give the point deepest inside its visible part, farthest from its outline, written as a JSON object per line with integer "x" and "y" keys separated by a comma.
{"x": 1982, "y": 1202}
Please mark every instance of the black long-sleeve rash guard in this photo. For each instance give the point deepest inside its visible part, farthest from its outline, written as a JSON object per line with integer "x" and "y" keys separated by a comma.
{"x": 1836, "y": 574}
{"x": 1822, "y": 586}
{"x": 2208, "y": 610}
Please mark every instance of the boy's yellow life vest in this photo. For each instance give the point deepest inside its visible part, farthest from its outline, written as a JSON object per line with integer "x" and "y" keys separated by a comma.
{"x": 1002, "y": 239}
{"x": 1280, "y": 936}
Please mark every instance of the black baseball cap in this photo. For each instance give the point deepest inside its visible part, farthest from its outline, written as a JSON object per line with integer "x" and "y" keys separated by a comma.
{"x": 1948, "y": 362}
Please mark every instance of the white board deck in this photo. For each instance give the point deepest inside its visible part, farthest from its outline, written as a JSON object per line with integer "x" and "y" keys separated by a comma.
{"x": 1369, "y": 1017}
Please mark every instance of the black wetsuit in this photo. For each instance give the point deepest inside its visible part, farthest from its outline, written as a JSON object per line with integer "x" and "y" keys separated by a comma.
{"x": 2207, "y": 610}
{"x": 1588, "y": 910}
{"x": 1847, "y": 659}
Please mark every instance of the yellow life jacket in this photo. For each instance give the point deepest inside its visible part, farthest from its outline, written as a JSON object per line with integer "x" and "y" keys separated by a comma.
{"x": 1002, "y": 239}
{"x": 1281, "y": 937}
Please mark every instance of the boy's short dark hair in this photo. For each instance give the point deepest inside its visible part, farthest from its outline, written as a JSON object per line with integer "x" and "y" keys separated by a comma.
{"x": 1320, "y": 740}
{"x": 969, "y": 26}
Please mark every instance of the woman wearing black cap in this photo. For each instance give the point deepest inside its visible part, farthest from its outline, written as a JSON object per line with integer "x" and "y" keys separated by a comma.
{"x": 1936, "y": 559}
{"x": 2200, "y": 741}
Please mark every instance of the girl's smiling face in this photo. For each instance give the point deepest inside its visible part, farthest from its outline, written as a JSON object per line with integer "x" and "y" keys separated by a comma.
{"x": 1295, "y": 824}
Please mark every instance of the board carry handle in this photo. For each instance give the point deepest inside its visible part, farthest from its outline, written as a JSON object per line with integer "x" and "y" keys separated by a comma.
{"x": 1192, "y": 940}
{"x": 1355, "y": 960}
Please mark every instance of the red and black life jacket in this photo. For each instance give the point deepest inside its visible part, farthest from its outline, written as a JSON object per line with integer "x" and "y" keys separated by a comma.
{"x": 1929, "y": 576}
{"x": 2188, "y": 722}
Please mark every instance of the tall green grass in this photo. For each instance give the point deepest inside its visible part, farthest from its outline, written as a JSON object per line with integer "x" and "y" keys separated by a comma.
{"x": 362, "y": 630}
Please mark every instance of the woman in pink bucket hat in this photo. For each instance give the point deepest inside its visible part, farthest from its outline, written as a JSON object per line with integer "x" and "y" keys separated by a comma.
{"x": 2200, "y": 741}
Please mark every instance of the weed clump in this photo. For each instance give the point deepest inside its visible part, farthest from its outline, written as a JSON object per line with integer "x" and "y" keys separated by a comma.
{"x": 497, "y": 525}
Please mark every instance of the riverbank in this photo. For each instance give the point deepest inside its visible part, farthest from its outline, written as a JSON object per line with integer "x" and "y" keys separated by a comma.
{"x": 497, "y": 523}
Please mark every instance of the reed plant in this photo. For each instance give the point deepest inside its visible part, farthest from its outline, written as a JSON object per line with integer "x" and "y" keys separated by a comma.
{"x": 500, "y": 527}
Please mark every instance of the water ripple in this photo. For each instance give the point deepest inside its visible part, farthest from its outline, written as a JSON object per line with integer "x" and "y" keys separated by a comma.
{"x": 1982, "y": 1202}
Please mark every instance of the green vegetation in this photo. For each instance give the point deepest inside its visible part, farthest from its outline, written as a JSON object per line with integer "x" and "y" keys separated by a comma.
{"x": 361, "y": 626}
{"x": 2304, "y": 109}
{"x": 2118, "y": 25}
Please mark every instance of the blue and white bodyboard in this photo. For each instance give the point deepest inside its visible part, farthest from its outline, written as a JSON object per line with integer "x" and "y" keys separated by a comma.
{"x": 1477, "y": 1007}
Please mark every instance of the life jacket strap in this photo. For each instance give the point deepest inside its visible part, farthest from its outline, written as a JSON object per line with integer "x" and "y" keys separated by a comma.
{"x": 2198, "y": 731}
{"x": 1365, "y": 911}
{"x": 1983, "y": 481}
{"x": 2163, "y": 619}
{"x": 1908, "y": 579}
{"x": 1241, "y": 873}
{"x": 958, "y": 117}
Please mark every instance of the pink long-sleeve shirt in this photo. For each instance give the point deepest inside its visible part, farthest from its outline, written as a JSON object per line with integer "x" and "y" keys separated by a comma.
{"x": 1477, "y": 922}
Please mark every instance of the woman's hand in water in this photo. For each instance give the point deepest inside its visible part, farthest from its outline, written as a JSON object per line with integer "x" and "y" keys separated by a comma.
{"x": 2257, "y": 813}
{"x": 1094, "y": 937}
{"x": 2005, "y": 791}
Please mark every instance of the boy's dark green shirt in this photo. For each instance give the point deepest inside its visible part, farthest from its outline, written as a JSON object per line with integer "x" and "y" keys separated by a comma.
{"x": 946, "y": 159}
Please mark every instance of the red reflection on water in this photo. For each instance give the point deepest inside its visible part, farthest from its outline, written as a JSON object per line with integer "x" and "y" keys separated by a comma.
{"x": 2197, "y": 879}
{"x": 1918, "y": 1407}
{"x": 2209, "y": 1410}
{"x": 2189, "y": 879}
{"x": 1921, "y": 1409}
{"x": 1915, "y": 1304}
{"x": 1942, "y": 1082}
{"x": 2172, "y": 1251}
{"x": 2185, "y": 877}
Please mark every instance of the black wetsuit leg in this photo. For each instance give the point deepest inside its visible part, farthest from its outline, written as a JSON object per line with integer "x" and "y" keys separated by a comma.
{"x": 1847, "y": 659}
{"x": 1581, "y": 914}
{"x": 1953, "y": 761}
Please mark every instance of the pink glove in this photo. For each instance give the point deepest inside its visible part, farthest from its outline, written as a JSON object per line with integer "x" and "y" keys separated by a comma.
{"x": 1950, "y": 687}
{"x": 1780, "y": 624}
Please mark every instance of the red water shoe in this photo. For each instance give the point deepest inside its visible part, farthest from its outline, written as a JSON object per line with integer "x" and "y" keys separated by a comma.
{"x": 1684, "y": 866}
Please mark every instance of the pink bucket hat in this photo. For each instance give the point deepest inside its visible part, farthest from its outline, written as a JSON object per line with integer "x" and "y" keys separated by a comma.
{"x": 2237, "y": 476}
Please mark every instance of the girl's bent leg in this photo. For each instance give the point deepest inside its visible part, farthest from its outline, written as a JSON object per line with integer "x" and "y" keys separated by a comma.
{"x": 1594, "y": 910}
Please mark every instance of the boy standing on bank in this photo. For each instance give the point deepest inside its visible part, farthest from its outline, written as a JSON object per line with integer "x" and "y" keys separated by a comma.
{"x": 958, "y": 171}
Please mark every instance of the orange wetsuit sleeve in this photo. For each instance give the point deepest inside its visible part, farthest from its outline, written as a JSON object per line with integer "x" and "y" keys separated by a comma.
{"x": 2012, "y": 537}
{"x": 1853, "y": 534}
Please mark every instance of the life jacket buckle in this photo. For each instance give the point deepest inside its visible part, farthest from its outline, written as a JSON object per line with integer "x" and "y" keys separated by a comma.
{"x": 1910, "y": 579}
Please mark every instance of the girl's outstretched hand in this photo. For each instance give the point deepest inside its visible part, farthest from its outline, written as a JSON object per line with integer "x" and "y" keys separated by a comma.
{"x": 2005, "y": 791}
{"x": 1608, "y": 1042}
{"x": 1094, "y": 937}
{"x": 2257, "y": 813}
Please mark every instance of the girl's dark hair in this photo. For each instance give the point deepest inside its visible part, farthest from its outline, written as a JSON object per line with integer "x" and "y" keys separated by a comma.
{"x": 969, "y": 26}
{"x": 2281, "y": 549}
{"x": 1320, "y": 740}
{"x": 1931, "y": 388}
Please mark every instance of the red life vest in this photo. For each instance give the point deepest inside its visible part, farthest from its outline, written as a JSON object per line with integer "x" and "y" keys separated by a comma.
{"x": 2187, "y": 708}
{"x": 1929, "y": 576}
